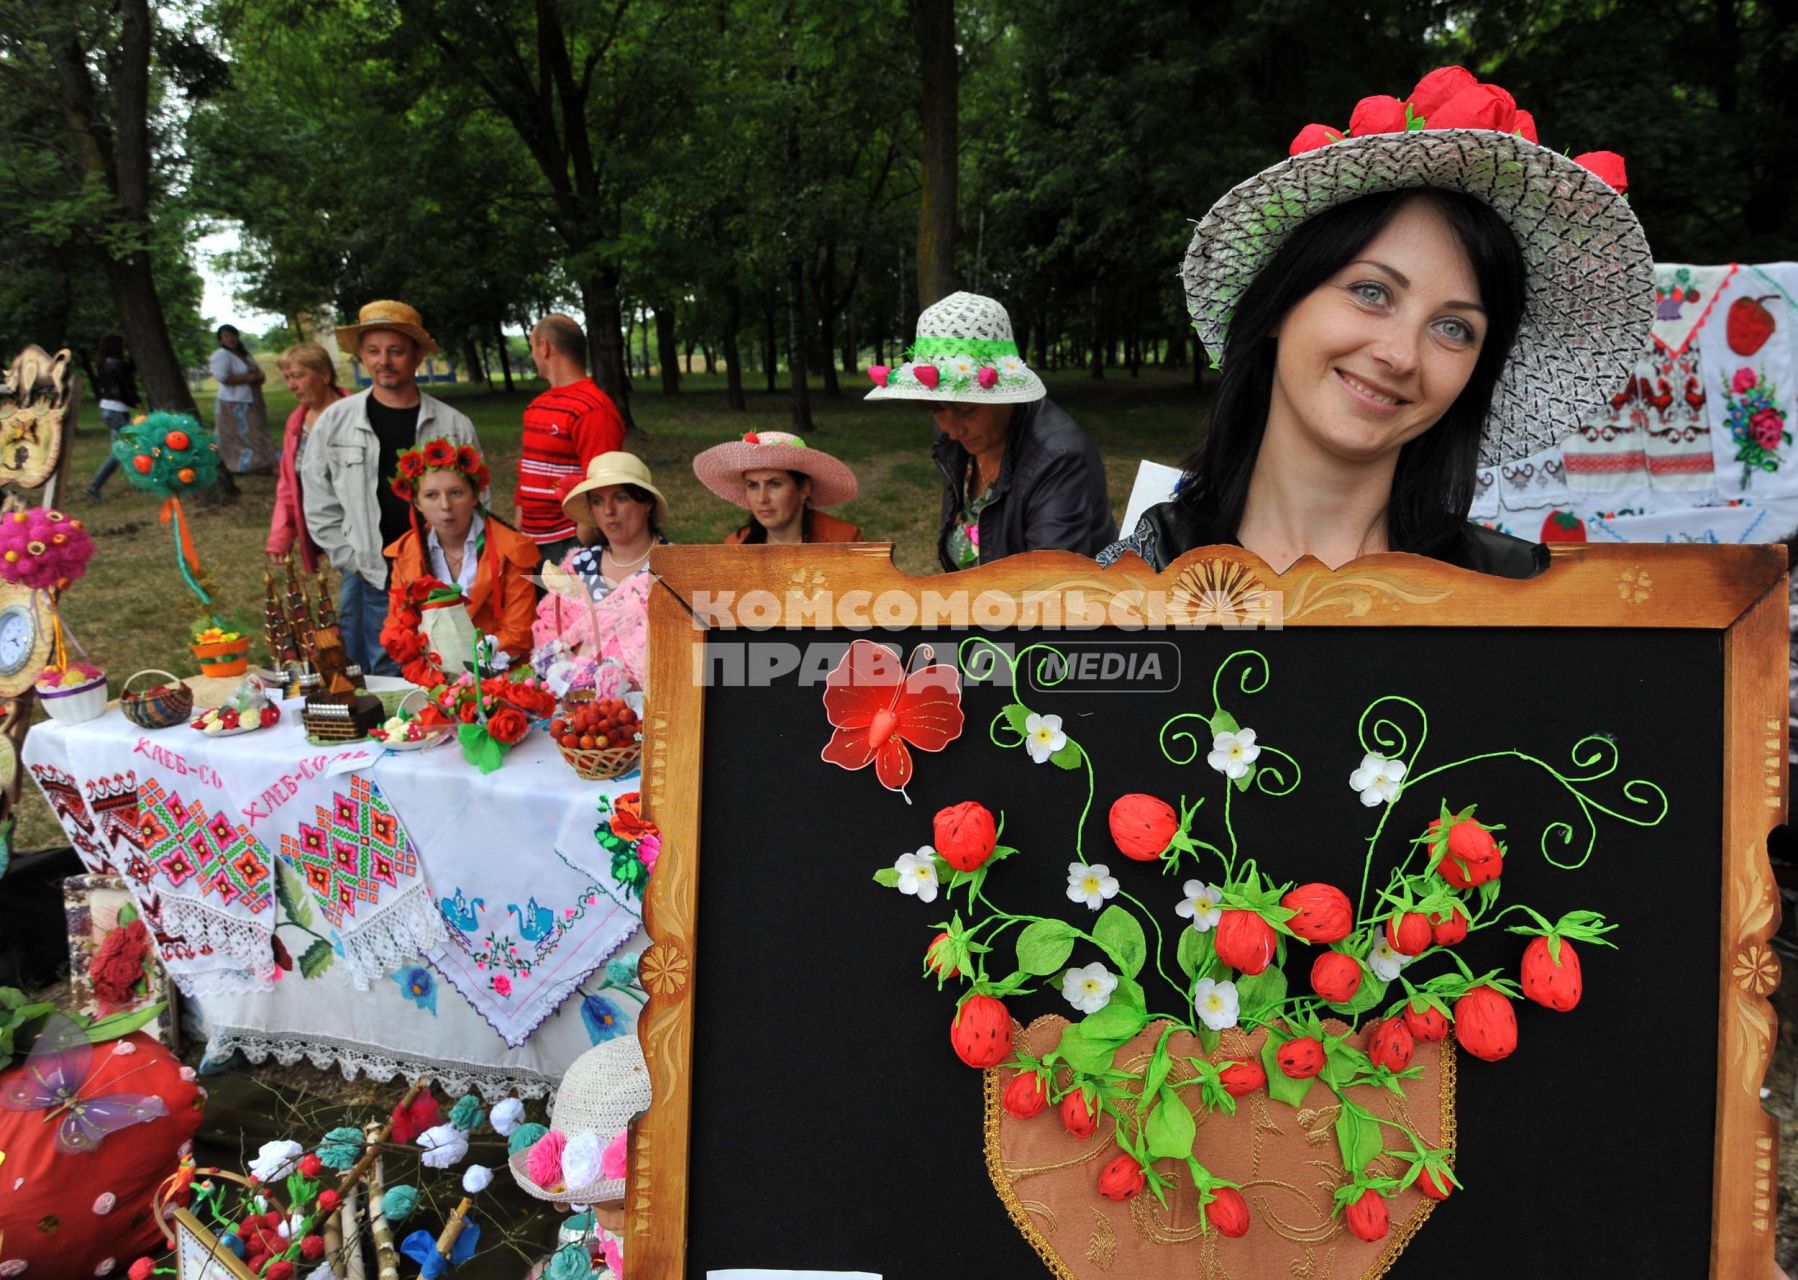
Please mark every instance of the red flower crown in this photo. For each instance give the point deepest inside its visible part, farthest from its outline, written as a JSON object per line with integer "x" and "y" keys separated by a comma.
{"x": 1449, "y": 98}
{"x": 438, "y": 455}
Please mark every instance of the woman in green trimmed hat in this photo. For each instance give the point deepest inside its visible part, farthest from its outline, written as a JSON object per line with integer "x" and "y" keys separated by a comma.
{"x": 1018, "y": 473}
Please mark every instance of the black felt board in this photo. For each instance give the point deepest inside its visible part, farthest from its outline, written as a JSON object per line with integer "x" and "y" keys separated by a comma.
{"x": 835, "y": 1129}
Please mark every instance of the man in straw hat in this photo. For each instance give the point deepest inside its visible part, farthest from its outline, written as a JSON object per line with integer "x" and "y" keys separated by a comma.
{"x": 350, "y": 511}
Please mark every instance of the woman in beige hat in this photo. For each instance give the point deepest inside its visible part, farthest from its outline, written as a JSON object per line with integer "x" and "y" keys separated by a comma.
{"x": 783, "y": 482}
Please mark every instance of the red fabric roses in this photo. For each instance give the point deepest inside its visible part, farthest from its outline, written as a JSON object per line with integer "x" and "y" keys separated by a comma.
{"x": 507, "y": 726}
{"x": 119, "y": 963}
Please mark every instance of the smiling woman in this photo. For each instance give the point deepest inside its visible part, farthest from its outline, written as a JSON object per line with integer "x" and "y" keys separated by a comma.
{"x": 1393, "y": 309}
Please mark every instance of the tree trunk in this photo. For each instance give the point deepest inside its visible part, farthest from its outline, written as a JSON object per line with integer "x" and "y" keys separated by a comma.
{"x": 825, "y": 292}
{"x": 852, "y": 346}
{"x": 471, "y": 356}
{"x": 771, "y": 356}
{"x": 599, "y": 300}
{"x": 667, "y": 350}
{"x": 802, "y": 399}
{"x": 505, "y": 357}
{"x": 934, "y": 22}
{"x": 711, "y": 360}
{"x": 733, "y": 360}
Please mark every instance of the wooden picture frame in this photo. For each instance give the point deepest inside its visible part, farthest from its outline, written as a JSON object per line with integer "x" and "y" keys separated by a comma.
{"x": 1738, "y": 592}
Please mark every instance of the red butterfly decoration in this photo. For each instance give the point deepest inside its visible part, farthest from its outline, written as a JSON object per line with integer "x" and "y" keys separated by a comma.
{"x": 877, "y": 709}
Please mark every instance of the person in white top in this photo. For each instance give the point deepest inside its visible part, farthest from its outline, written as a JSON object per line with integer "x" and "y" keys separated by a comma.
{"x": 241, "y": 420}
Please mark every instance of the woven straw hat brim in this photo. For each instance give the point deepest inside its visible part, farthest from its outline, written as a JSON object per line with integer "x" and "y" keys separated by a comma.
{"x": 721, "y": 469}
{"x": 574, "y": 504}
{"x": 606, "y": 1189}
{"x": 1027, "y": 387}
{"x": 386, "y": 314}
{"x": 1590, "y": 277}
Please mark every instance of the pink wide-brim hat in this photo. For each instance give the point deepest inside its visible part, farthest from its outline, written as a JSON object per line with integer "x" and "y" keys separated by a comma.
{"x": 721, "y": 467}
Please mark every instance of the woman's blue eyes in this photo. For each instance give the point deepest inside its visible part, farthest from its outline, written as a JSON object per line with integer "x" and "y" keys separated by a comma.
{"x": 1374, "y": 293}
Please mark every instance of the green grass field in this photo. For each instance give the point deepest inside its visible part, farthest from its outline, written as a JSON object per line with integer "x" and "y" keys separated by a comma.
{"x": 131, "y": 611}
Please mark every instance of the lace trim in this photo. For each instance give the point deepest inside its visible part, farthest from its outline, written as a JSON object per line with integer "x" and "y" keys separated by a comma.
{"x": 492, "y": 1083}
{"x": 237, "y": 943}
{"x": 199, "y": 983}
{"x": 410, "y": 927}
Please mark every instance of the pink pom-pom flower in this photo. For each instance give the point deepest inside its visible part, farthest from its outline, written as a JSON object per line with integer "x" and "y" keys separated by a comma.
{"x": 544, "y": 1160}
{"x": 42, "y": 548}
{"x": 612, "y": 1159}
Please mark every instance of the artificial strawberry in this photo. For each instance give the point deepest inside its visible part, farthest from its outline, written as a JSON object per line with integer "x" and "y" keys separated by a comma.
{"x": 1448, "y": 931}
{"x": 1408, "y": 932}
{"x": 1122, "y": 1179}
{"x": 1244, "y": 941}
{"x": 1470, "y": 856}
{"x": 1228, "y": 1212}
{"x": 1750, "y": 324}
{"x": 1367, "y": 1216}
{"x": 1301, "y": 1059}
{"x": 1241, "y": 1077}
{"x": 270, "y": 715}
{"x": 981, "y": 1032}
{"x": 1391, "y": 1045}
{"x": 1562, "y": 526}
{"x": 1321, "y": 913}
{"x": 1077, "y": 1115}
{"x": 1336, "y": 977}
{"x": 1425, "y": 1021}
{"x": 1142, "y": 826}
{"x": 1433, "y": 1186}
{"x": 1550, "y": 984}
{"x": 934, "y": 957}
{"x": 1025, "y": 1096}
{"x": 965, "y": 834}
{"x": 1485, "y": 1025}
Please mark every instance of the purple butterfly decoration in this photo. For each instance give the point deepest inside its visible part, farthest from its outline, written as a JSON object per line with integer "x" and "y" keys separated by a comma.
{"x": 51, "y": 1081}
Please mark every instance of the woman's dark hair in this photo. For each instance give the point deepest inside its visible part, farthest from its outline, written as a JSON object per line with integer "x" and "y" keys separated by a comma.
{"x": 1432, "y": 486}
{"x": 112, "y": 347}
{"x": 223, "y": 329}
{"x": 637, "y": 493}
{"x": 754, "y": 533}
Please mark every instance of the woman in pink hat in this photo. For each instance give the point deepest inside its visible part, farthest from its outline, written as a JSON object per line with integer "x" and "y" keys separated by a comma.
{"x": 783, "y": 482}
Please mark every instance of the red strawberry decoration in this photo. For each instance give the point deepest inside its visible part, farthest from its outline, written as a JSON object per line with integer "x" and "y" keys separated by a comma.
{"x": 1025, "y": 1096}
{"x": 1469, "y": 855}
{"x": 1122, "y": 1179}
{"x": 1242, "y": 1077}
{"x": 1367, "y": 1217}
{"x": 1142, "y": 826}
{"x": 1077, "y": 1116}
{"x": 1301, "y": 1059}
{"x": 1245, "y": 941}
{"x": 1336, "y": 977}
{"x": 981, "y": 1032}
{"x": 935, "y": 957}
{"x": 1750, "y": 324}
{"x": 964, "y": 834}
{"x": 1551, "y": 983}
{"x": 1433, "y": 1184}
{"x": 1321, "y": 913}
{"x": 1426, "y": 1022}
{"x": 1449, "y": 930}
{"x": 1562, "y": 526}
{"x": 1228, "y": 1212}
{"x": 1392, "y": 1045}
{"x": 1485, "y": 1025}
{"x": 1408, "y": 932}
{"x": 270, "y": 715}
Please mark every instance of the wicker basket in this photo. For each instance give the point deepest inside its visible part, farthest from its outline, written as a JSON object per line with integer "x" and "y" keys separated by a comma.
{"x": 159, "y": 712}
{"x": 602, "y": 763}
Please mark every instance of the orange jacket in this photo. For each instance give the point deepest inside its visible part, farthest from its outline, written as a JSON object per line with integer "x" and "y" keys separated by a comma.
{"x": 518, "y": 558}
{"x": 824, "y": 529}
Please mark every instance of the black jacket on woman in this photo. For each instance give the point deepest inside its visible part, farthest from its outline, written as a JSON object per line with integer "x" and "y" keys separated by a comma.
{"x": 117, "y": 380}
{"x": 1050, "y": 494}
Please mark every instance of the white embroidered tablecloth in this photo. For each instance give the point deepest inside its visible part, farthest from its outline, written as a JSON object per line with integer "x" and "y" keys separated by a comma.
{"x": 365, "y": 948}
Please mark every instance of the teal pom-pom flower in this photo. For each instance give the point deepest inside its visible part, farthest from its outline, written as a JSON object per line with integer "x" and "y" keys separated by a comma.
{"x": 524, "y": 1137}
{"x": 570, "y": 1262}
{"x": 341, "y": 1148}
{"x": 468, "y": 1114}
{"x": 167, "y": 453}
{"x": 399, "y": 1202}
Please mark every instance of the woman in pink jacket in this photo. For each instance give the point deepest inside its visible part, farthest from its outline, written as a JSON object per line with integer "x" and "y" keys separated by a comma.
{"x": 312, "y": 378}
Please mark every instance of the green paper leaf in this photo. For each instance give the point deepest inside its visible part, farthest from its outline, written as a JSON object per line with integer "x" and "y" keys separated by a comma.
{"x": 1118, "y": 1020}
{"x": 1280, "y": 1086}
{"x": 291, "y": 891}
{"x": 1367, "y": 996}
{"x": 316, "y": 958}
{"x": 1208, "y": 1038}
{"x": 1357, "y": 1135}
{"x": 1242, "y": 783}
{"x": 1159, "y": 1064}
{"x": 888, "y": 876}
{"x": 127, "y": 914}
{"x": 1122, "y": 937}
{"x": 1044, "y": 946}
{"x": 1068, "y": 757}
{"x": 1223, "y": 722}
{"x": 1170, "y": 1130}
{"x": 1261, "y": 993}
{"x": 1088, "y": 1057}
{"x": 1195, "y": 953}
{"x": 1016, "y": 713}
{"x": 115, "y": 1025}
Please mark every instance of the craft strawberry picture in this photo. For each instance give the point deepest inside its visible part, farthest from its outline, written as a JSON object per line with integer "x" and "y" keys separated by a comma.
{"x": 1750, "y": 324}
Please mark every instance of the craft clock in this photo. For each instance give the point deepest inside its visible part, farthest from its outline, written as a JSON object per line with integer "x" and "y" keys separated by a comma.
{"x": 24, "y": 641}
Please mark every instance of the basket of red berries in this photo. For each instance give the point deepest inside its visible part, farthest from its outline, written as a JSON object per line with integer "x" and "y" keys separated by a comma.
{"x": 599, "y": 737}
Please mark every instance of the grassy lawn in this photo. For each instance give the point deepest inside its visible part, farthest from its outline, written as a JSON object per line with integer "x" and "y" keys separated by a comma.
{"x": 131, "y": 611}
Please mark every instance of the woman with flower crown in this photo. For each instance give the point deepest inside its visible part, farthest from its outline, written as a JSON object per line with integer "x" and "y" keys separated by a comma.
{"x": 1396, "y": 304}
{"x": 460, "y": 546}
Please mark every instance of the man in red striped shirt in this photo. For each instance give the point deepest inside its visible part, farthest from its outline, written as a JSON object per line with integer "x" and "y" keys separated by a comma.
{"x": 564, "y": 428}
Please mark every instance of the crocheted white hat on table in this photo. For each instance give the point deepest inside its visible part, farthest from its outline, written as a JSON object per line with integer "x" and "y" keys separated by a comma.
{"x": 602, "y": 1091}
{"x": 1589, "y": 274}
{"x": 964, "y": 351}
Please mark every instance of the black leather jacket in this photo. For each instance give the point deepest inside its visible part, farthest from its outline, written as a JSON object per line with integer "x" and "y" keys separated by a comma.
{"x": 1169, "y": 530}
{"x": 1050, "y": 494}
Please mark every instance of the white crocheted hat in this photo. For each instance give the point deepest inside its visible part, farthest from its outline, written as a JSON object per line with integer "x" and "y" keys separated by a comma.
{"x": 964, "y": 351}
{"x": 1590, "y": 277}
{"x": 602, "y": 1091}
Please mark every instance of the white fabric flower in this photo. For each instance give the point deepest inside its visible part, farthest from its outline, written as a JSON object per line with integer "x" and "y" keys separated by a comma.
{"x": 276, "y": 1160}
{"x": 1233, "y": 753}
{"x": 961, "y": 366}
{"x": 295, "y": 1224}
{"x": 123, "y": 1048}
{"x": 1091, "y": 885}
{"x": 581, "y": 1159}
{"x": 476, "y": 1179}
{"x": 1383, "y": 960}
{"x": 1010, "y": 364}
{"x": 1377, "y": 779}
{"x": 507, "y": 1115}
{"x": 917, "y": 873}
{"x": 1043, "y": 736}
{"x": 444, "y": 1146}
{"x": 906, "y": 370}
{"x": 1216, "y": 1003}
{"x": 1089, "y": 989}
{"x": 1203, "y": 904}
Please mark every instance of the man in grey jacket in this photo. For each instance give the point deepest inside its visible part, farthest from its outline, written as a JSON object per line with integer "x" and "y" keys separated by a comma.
{"x": 352, "y": 451}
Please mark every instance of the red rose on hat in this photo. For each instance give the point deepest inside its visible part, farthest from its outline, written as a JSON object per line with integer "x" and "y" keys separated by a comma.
{"x": 1481, "y": 106}
{"x": 1437, "y": 88}
{"x": 1524, "y": 126}
{"x": 1381, "y": 113}
{"x": 1313, "y": 136}
{"x": 1607, "y": 165}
